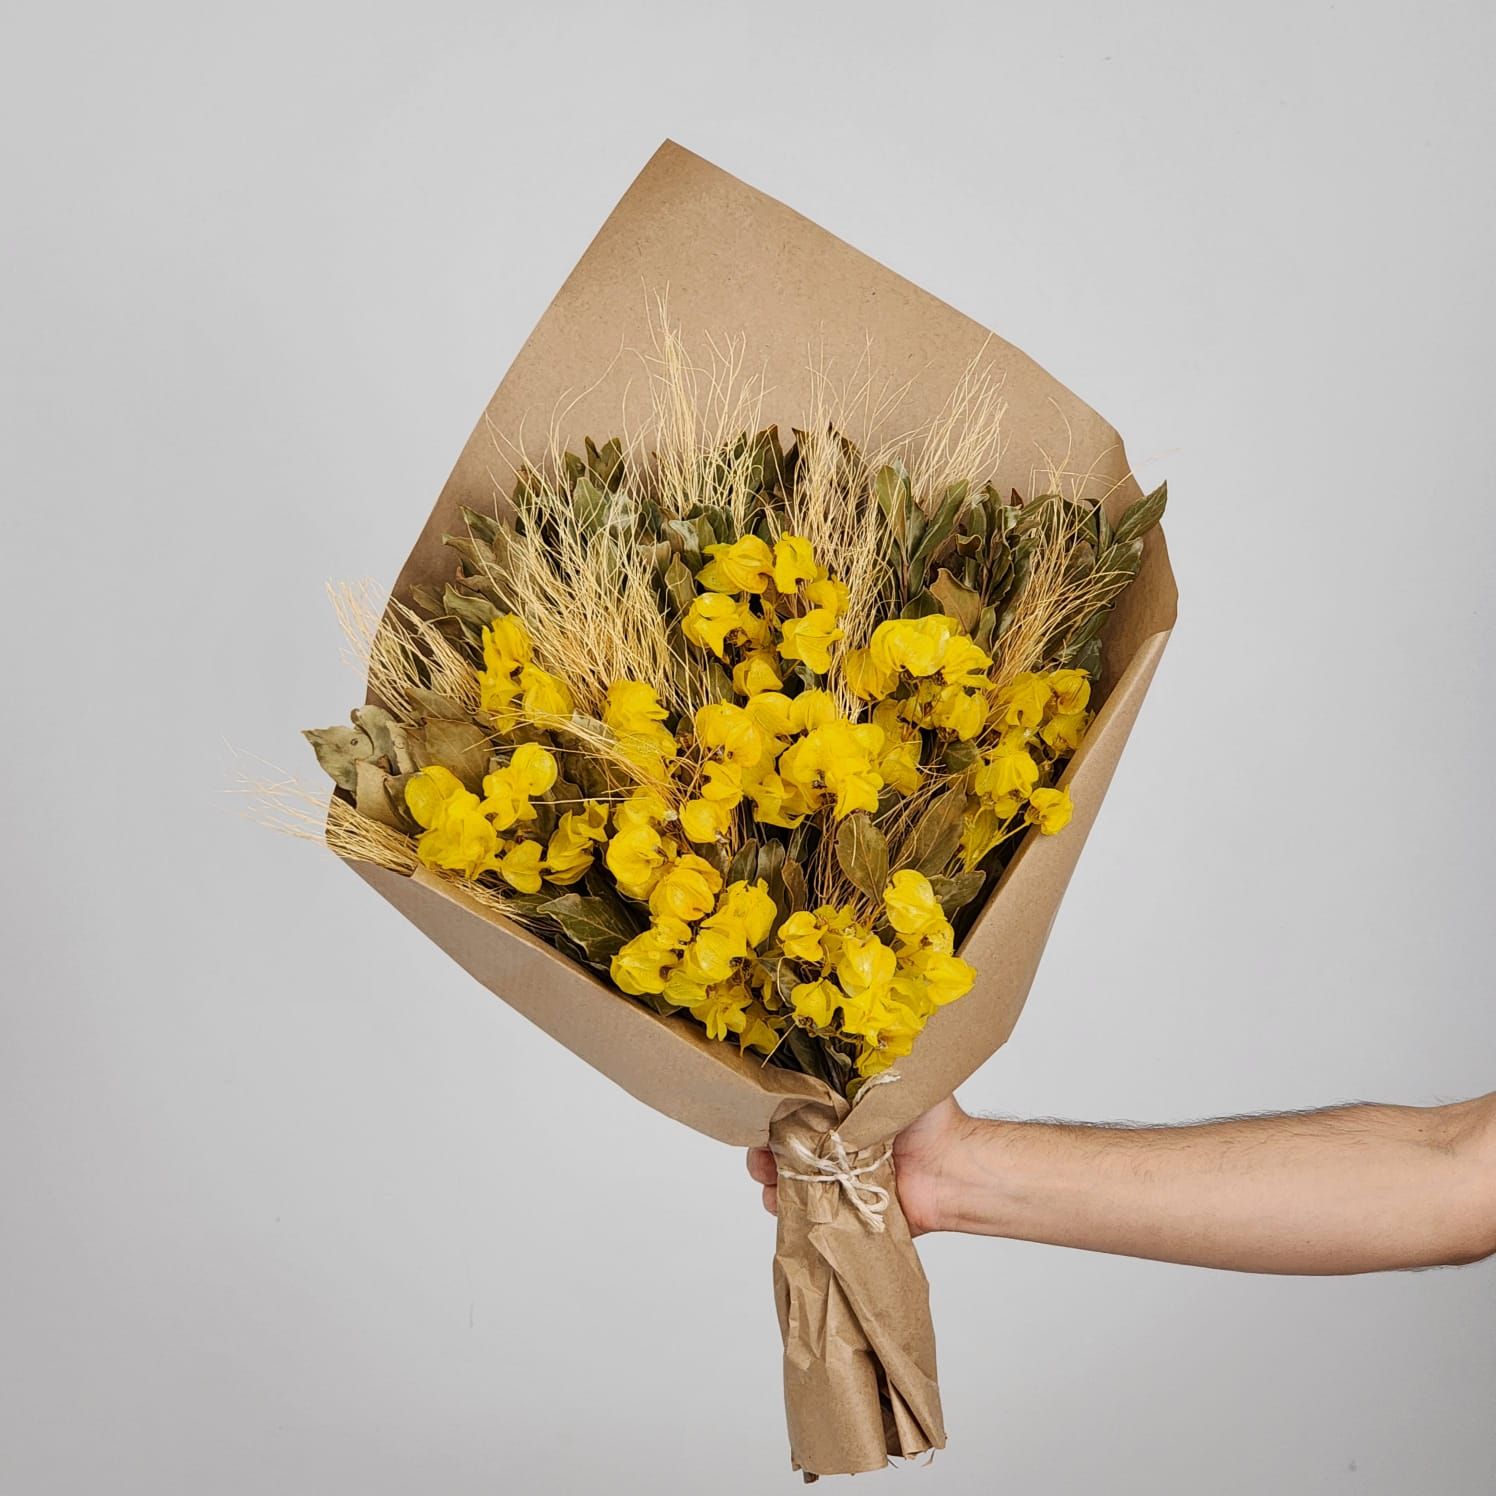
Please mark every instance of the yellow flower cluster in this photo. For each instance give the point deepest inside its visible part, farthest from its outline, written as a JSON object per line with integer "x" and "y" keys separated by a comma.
{"x": 700, "y": 952}
{"x": 1040, "y": 719}
{"x": 881, "y": 995}
{"x": 794, "y": 594}
{"x": 789, "y": 756}
{"x": 781, "y": 752}
{"x": 944, "y": 672}
{"x": 511, "y": 687}
{"x": 469, "y": 835}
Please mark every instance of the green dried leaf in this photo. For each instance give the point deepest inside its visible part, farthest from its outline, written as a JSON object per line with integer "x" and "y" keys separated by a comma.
{"x": 986, "y": 629}
{"x": 796, "y": 889}
{"x": 1122, "y": 559}
{"x": 715, "y": 852}
{"x": 434, "y": 704}
{"x": 921, "y": 605}
{"x": 718, "y": 682}
{"x": 862, "y": 852}
{"x": 770, "y": 871}
{"x": 957, "y": 600}
{"x": 958, "y": 891}
{"x": 1102, "y": 529}
{"x": 462, "y": 747}
{"x": 679, "y": 584}
{"x": 744, "y": 865}
{"x": 787, "y": 976}
{"x": 371, "y": 797}
{"x": 591, "y": 506}
{"x": 1087, "y": 658}
{"x": 892, "y": 492}
{"x": 685, "y": 540}
{"x": 598, "y": 925}
{"x": 959, "y": 756}
{"x": 426, "y": 599}
{"x": 1137, "y": 519}
{"x": 477, "y": 611}
{"x": 605, "y": 463}
{"x": 339, "y": 750}
{"x": 936, "y": 531}
{"x": 937, "y": 836}
{"x": 485, "y": 526}
{"x": 387, "y": 735}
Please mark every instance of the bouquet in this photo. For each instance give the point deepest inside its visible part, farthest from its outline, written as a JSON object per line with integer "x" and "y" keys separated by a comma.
{"x": 716, "y": 751}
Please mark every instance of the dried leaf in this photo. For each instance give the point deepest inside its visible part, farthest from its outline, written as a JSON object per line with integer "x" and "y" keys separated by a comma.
{"x": 891, "y": 490}
{"x": 937, "y": 836}
{"x": 957, "y": 600}
{"x": 679, "y": 584}
{"x": 936, "y": 532}
{"x": 462, "y": 747}
{"x": 434, "y": 704}
{"x": 1137, "y": 519}
{"x": 862, "y": 852}
{"x": 956, "y": 892}
{"x": 485, "y": 526}
{"x": 796, "y": 890}
{"x": 591, "y": 506}
{"x": 338, "y": 750}
{"x": 599, "y": 926}
{"x": 387, "y": 735}
{"x": 770, "y": 870}
{"x": 477, "y": 611}
{"x": 370, "y": 796}
{"x": 744, "y": 865}
{"x": 959, "y": 756}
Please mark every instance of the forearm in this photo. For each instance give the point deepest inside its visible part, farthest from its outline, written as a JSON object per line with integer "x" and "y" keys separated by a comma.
{"x": 1348, "y": 1190}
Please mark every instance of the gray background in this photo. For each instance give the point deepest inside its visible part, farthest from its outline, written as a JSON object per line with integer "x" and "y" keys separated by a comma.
{"x": 290, "y": 1205}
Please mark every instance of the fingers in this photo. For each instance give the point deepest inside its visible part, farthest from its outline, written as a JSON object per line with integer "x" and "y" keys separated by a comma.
{"x": 764, "y": 1171}
{"x": 761, "y": 1166}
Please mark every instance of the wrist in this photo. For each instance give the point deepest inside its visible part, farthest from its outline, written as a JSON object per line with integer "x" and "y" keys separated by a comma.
{"x": 967, "y": 1190}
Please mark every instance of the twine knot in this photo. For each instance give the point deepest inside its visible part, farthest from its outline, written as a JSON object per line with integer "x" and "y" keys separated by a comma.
{"x": 869, "y": 1200}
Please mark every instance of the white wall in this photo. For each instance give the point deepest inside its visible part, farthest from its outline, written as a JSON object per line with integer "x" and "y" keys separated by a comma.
{"x": 289, "y": 1204}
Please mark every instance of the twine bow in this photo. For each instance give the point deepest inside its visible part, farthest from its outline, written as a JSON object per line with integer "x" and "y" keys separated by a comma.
{"x": 869, "y": 1200}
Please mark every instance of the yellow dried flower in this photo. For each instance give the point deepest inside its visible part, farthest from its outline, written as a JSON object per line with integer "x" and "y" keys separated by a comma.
{"x": 1072, "y": 690}
{"x": 1008, "y": 770}
{"x": 1022, "y": 701}
{"x": 745, "y": 565}
{"x": 809, "y": 638}
{"x": 911, "y": 906}
{"x": 794, "y": 562}
{"x": 519, "y": 866}
{"x": 644, "y": 963}
{"x": 544, "y": 694}
{"x": 686, "y": 890}
{"x": 705, "y": 820}
{"x": 755, "y": 672}
{"x": 1049, "y": 810}
{"x": 800, "y": 937}
{"x": 635, "y": 856}
{"x": 725, "y": 728}
{"x": 817, "y": 1002}
{"x": 714, "y": 618}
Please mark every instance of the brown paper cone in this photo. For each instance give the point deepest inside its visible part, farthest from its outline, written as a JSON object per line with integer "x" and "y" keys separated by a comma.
{"x": 854, "y": 1310}
{"x": 859, "y": 1350}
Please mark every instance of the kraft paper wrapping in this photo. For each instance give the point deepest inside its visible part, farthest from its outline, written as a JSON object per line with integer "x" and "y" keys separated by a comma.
{"x": 854, "y": 1311}
{"x": 859, "y": 1348}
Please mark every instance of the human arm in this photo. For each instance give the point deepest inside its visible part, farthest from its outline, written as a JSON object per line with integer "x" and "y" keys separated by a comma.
{"x": 1348, "y": 1189}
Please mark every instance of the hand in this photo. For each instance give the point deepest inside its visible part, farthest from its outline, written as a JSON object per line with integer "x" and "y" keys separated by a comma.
{"x": 921, "y": 1162}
